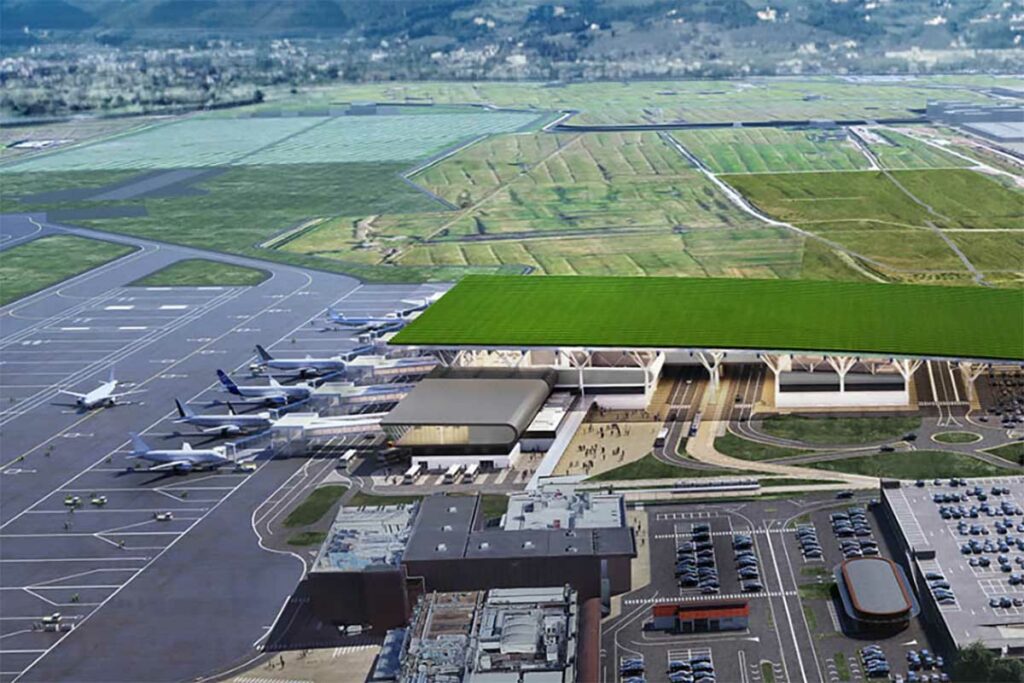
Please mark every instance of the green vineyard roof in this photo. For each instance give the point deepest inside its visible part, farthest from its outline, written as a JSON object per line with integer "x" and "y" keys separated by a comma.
{"x": 765, "y": 315}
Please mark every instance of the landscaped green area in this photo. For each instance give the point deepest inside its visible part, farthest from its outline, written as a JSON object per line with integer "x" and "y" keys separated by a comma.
{"x": 43, "y": 262}
{"x": 361, "y": 498}
{"x": 830, "y": 431}
{"x": 957, "y": 437}
{"x": 842, "y": 666}
{"x": 745, "y": 449}
{"x": 307, "y": 538}
{"x": 772, "y": 150}
{"x": 913, "y": 465}
{"x": 767, "y": 672}
{"x": 315, "y": 506}
{"x": 1013, "y": 452}
{"x": 734, "y": 314}
{"x": 493, "y": 505}
{"x": 649, "y": 467}
{"x": 203, "y": 272}
{"x": 816, "y": 591}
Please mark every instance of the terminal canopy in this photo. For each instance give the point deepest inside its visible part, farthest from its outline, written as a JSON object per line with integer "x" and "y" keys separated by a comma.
{"x": 976, "y": 323}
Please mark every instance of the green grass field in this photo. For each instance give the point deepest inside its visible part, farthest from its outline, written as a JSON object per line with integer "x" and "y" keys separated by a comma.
{"x": 649, "y": 467}
{"x": 914, "y": 465}
{"x": 1011, "y": 452}
{"x": 957, "y": 437}
{"x": 745, "y": 449}
{"x": 771, "y": 150}
{"x": 203, "y": 272}
{"x": 307, "y": 538}
{"x": 315, "y": 506}
{"x": 734, "y": 314}
{"x": 832, "y": 431}
{"x": 41, "y": 263}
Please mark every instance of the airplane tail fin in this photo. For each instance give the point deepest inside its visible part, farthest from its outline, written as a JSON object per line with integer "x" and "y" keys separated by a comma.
{"x": 110, "y": 376}
{"x": 138, "y": 445}
{"x": 186, "y": 446}
{"x": 183, "y": 410}
{"x": 273, "y": 382}
{"x": 264, "y": 356}
{"x": 227, "y": 382}
{"x": 231, "y": 408}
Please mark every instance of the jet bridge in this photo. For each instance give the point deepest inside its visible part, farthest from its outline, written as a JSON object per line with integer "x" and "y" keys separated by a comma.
{"x": 383, "y": 367}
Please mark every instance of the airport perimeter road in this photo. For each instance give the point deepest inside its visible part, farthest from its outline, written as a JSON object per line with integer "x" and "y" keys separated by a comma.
{"x": 144, "y": 610}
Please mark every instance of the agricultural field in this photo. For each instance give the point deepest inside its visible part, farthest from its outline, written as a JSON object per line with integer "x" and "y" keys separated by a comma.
{"x": 201, "y": 142}
{"x": 21, "y": 141}
{"x": 899, "y": 151}
{"x": 754, "y": 99}
{"x": 772, "y": 150}
{"x": 900, "y": 223}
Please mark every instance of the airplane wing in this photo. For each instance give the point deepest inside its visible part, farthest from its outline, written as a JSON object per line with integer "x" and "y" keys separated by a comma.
{"x": 223, "y": 429}
{"x": 169, "y": 465}
{"x": 71, "y": 393}
{"x": 126, "y": 393}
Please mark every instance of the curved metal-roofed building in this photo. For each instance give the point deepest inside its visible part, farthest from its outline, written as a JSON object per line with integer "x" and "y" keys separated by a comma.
{"x": 875, "y": 594}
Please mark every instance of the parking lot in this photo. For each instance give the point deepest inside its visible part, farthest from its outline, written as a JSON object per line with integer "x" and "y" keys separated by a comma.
{"x": 945, "y": 519}
{"x": 794, "y": 631}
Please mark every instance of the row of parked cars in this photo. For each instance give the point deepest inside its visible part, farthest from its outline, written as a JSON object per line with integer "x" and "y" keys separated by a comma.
{"x": 940, "y": 589}
{"x": 631, "y": 670}
{"x": 874, "y": 661}
{"x": 808, "y": 539}
{"x": 696, "y": 669}
{"x": 746, "y": 563}
{"x": 695, "y": 561}
{"x": 853, "y": 530}
{"x": 919, "y": 663}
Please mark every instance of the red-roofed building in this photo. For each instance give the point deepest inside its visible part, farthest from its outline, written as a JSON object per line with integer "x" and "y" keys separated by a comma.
{"x": 696, "y": 617}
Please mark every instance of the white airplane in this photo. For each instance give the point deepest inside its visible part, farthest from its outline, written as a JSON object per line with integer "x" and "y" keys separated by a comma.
{"x": 308, "y": 366}
{"x": 367, "y": 323}
{"x": 273, "y": 394}
{"x": 232, "y": 424}
{"x": 184, "y": 459}
{"x": 103, "y": 396}
{"x": 417, "y": 305}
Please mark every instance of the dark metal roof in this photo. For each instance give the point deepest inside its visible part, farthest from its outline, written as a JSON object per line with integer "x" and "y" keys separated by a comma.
{"x": 876, "y": 587}
{"x": 444, "y": 530}
{"x": 509, "y": 402}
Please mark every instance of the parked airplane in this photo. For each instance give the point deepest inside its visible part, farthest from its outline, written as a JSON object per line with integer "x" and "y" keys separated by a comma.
{"x": 272, "y": 394}
{"x": 103, "y": 396}
{"x": 306, "y": 367}
{"x": 232, "y": 424}
{"x": 184, "y": 459}
{"x": 417, "y": 305}
{"x": 367, "y": 323}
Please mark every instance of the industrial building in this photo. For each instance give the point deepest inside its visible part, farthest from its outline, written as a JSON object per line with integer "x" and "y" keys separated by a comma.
{"x": 701, "y": 617}
{"x": 1000, "y": 123}
{"x": 376, "y": 561}
{"x": 876, "y": 597}
{"x": 521, "y": 635}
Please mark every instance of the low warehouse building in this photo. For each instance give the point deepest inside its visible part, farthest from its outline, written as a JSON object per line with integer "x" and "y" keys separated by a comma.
{"x": 876, "y": 596}
{"x": 701, "y": 617}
